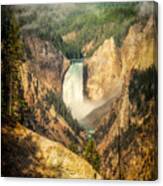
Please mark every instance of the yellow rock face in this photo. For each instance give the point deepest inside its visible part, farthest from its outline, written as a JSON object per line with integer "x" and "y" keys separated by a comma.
{"x": 139, "y": 49}
{"x": 32, "y": 155}
{"x": 103, "y": 69}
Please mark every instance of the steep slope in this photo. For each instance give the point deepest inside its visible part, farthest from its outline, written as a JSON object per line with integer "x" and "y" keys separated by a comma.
{"x": 139, "y": 47}
{"x": 41, "y": 81}
{"x": 103, "y": 71}
{"x": 27, "y": 154}
{"x": 126, "y": 135}
{"x": 47, "y": 63}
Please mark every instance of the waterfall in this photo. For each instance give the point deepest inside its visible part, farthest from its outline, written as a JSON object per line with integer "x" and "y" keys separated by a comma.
{"x": 73, "y": 92}
{"x": 73, "y": 86}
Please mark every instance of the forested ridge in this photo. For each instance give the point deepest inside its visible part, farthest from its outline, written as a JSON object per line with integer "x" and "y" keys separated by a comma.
{"x": 90, "y": 22}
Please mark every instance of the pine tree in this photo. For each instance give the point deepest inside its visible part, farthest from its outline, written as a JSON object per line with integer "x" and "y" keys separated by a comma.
{"x": 12, "y": 52}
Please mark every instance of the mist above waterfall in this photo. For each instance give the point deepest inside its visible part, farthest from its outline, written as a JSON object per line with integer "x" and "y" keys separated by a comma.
{"x": 73, "y": 95}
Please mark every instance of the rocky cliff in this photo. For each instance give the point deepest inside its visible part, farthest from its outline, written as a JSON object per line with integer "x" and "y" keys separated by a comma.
{"x": 47, "y": 63}
{"x": 126, "y": 135}
{"x": 37, "y": 156}
{"x": 139, "y": 48}
{"x": 103, "y": 71}
{"x": 41, "y": 80}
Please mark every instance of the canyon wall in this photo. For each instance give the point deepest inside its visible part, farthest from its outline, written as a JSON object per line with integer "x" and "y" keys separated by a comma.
{"x": 41, "y": 79}
{"x": 103, "y": 71}
{"x": 126, "y": 135}
{"x": 47, "y": 63}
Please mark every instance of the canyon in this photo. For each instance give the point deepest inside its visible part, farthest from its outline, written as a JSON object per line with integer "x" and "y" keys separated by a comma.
{"x": 112, "y": 76}
{"x": 106, "y": 101}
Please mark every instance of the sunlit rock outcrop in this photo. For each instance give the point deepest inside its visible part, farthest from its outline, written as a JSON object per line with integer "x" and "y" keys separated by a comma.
{"x": 139, "y": 49}
{"x": 31, "y": 155}
{"x": 103, "y": 71}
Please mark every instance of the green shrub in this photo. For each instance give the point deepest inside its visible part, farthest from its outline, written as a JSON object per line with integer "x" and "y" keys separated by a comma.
{"x": 90, "y": 154}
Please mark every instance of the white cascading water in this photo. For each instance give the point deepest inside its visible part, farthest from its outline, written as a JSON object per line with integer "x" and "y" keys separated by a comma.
{"x": 73, "y": 84}
{"x": 73, "y": 92}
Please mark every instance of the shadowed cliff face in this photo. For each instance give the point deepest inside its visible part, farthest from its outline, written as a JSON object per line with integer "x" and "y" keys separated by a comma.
{"x": 126, "y": 135}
